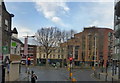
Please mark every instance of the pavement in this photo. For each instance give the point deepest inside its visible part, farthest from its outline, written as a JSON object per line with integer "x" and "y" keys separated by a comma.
{"x": 103, "y": 76}
{"x": 0, "y": 74}
{"x": 23, "y": 77}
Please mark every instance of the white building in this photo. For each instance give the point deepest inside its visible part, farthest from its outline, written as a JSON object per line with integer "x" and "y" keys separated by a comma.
{"x": 15, "y": 43}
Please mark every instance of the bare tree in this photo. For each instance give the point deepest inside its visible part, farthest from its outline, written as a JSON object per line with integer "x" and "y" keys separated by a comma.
{"x": 65, "y": 35}
{"x": 48, "y": 38}
{"x": 71, "y": 33}
{"x": 51, "y": 37}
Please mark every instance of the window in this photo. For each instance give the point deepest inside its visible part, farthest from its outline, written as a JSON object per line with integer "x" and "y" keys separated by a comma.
{"x": 6, "y": 24}
{"x": 22, "y": 48}
{"x": 77, "y": 47}
{"x": 58, "y": 56}
{"x": 117, "y": 27}
{"x": 30, "y": 49}
{"x": 62, "y": 50}
{"x": 53, "y": 56}
{"x": 76, "y": 54}
{"x": 31, "y": 55}
{"x": 44, "y": 56}
{"x": 58, "y": 50}
{"x": 62, "y": 56}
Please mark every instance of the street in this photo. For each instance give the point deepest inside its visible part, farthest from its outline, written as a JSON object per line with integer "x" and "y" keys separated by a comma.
{"x": 61, "y": 74}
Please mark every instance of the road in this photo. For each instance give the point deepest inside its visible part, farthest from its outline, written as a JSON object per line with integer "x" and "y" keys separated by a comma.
{"x": 61, "y": 74}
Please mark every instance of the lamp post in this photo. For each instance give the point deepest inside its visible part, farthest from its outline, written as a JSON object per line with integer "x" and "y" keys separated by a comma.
{"x": 95, "y": 52}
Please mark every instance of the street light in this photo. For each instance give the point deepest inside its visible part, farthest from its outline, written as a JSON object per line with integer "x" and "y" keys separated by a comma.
{"x": 95, "y": 52}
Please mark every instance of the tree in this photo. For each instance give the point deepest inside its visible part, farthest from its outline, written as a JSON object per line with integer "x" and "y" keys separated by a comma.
{"x": 65, "y": 35}
{"x": 72, "y": 32}
{"x": 48, "y": 38}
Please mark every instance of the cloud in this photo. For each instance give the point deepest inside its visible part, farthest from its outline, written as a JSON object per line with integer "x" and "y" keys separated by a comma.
{"x": 95, "y": 23}
{"x": 24, "y": 31}
{"x": 59, "y": 0}
{"x": 100, "y": 14}
{"x": 53, "y": 11}
{"x": 105, "y": 13}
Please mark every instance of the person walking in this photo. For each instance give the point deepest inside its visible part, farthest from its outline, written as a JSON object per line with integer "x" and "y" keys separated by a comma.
{"x": 33, "y": 77}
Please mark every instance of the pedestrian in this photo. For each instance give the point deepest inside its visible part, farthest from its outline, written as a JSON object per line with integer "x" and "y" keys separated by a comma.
{"x": 33, "y": 77}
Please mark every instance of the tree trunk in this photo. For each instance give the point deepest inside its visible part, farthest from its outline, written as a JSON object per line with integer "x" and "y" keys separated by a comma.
{"x": 62, "y": 62}
{"x": 47, "y": 60}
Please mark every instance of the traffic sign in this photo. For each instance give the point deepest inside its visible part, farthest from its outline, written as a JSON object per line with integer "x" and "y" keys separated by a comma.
{"x": 5, "y": 49}
{"x": 14, "y": 44}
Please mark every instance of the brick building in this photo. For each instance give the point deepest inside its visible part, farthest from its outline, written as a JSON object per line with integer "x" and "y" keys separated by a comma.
{"x": 31, "y": 53}
{"x": 91, "y": 45}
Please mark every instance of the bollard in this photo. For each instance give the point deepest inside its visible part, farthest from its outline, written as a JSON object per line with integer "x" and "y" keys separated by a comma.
{"x": 93, "y": 68}
{"x": 99, "y": 75}
{"x": 73, "y": 80}
{"x": 70, "y": 76}
{"x": 68, "y": 69}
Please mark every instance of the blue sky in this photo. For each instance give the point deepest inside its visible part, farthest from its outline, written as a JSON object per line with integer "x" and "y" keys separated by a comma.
{"x": 31, "y": 16}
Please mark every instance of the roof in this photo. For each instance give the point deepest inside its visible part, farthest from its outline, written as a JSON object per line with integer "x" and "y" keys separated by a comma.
{"x": 15, "y": 31}
{"x": 94, "y": 27}
{"x": 15, "y": 39}
{"x": 29, "y": 45}
{"x": 3, "y": 6}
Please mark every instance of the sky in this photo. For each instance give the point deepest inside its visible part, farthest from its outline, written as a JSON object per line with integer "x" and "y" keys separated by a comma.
{"x": 66, "y": 15}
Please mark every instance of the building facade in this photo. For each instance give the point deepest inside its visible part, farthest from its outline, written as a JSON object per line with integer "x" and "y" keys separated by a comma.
{"x": 117, "y": 30}
{"x": 5, "y": 29}
{"x": 92, "y": 45}
{"x": 31, "y": 53}
{"x": 57, "y": 54}
{"x": 15, "y": 43}
{"x": 10, "y": 71}
{"x": 116, "y": 57}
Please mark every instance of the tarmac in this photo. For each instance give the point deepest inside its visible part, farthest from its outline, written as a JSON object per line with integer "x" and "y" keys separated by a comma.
{"x": 98, "y": 74}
